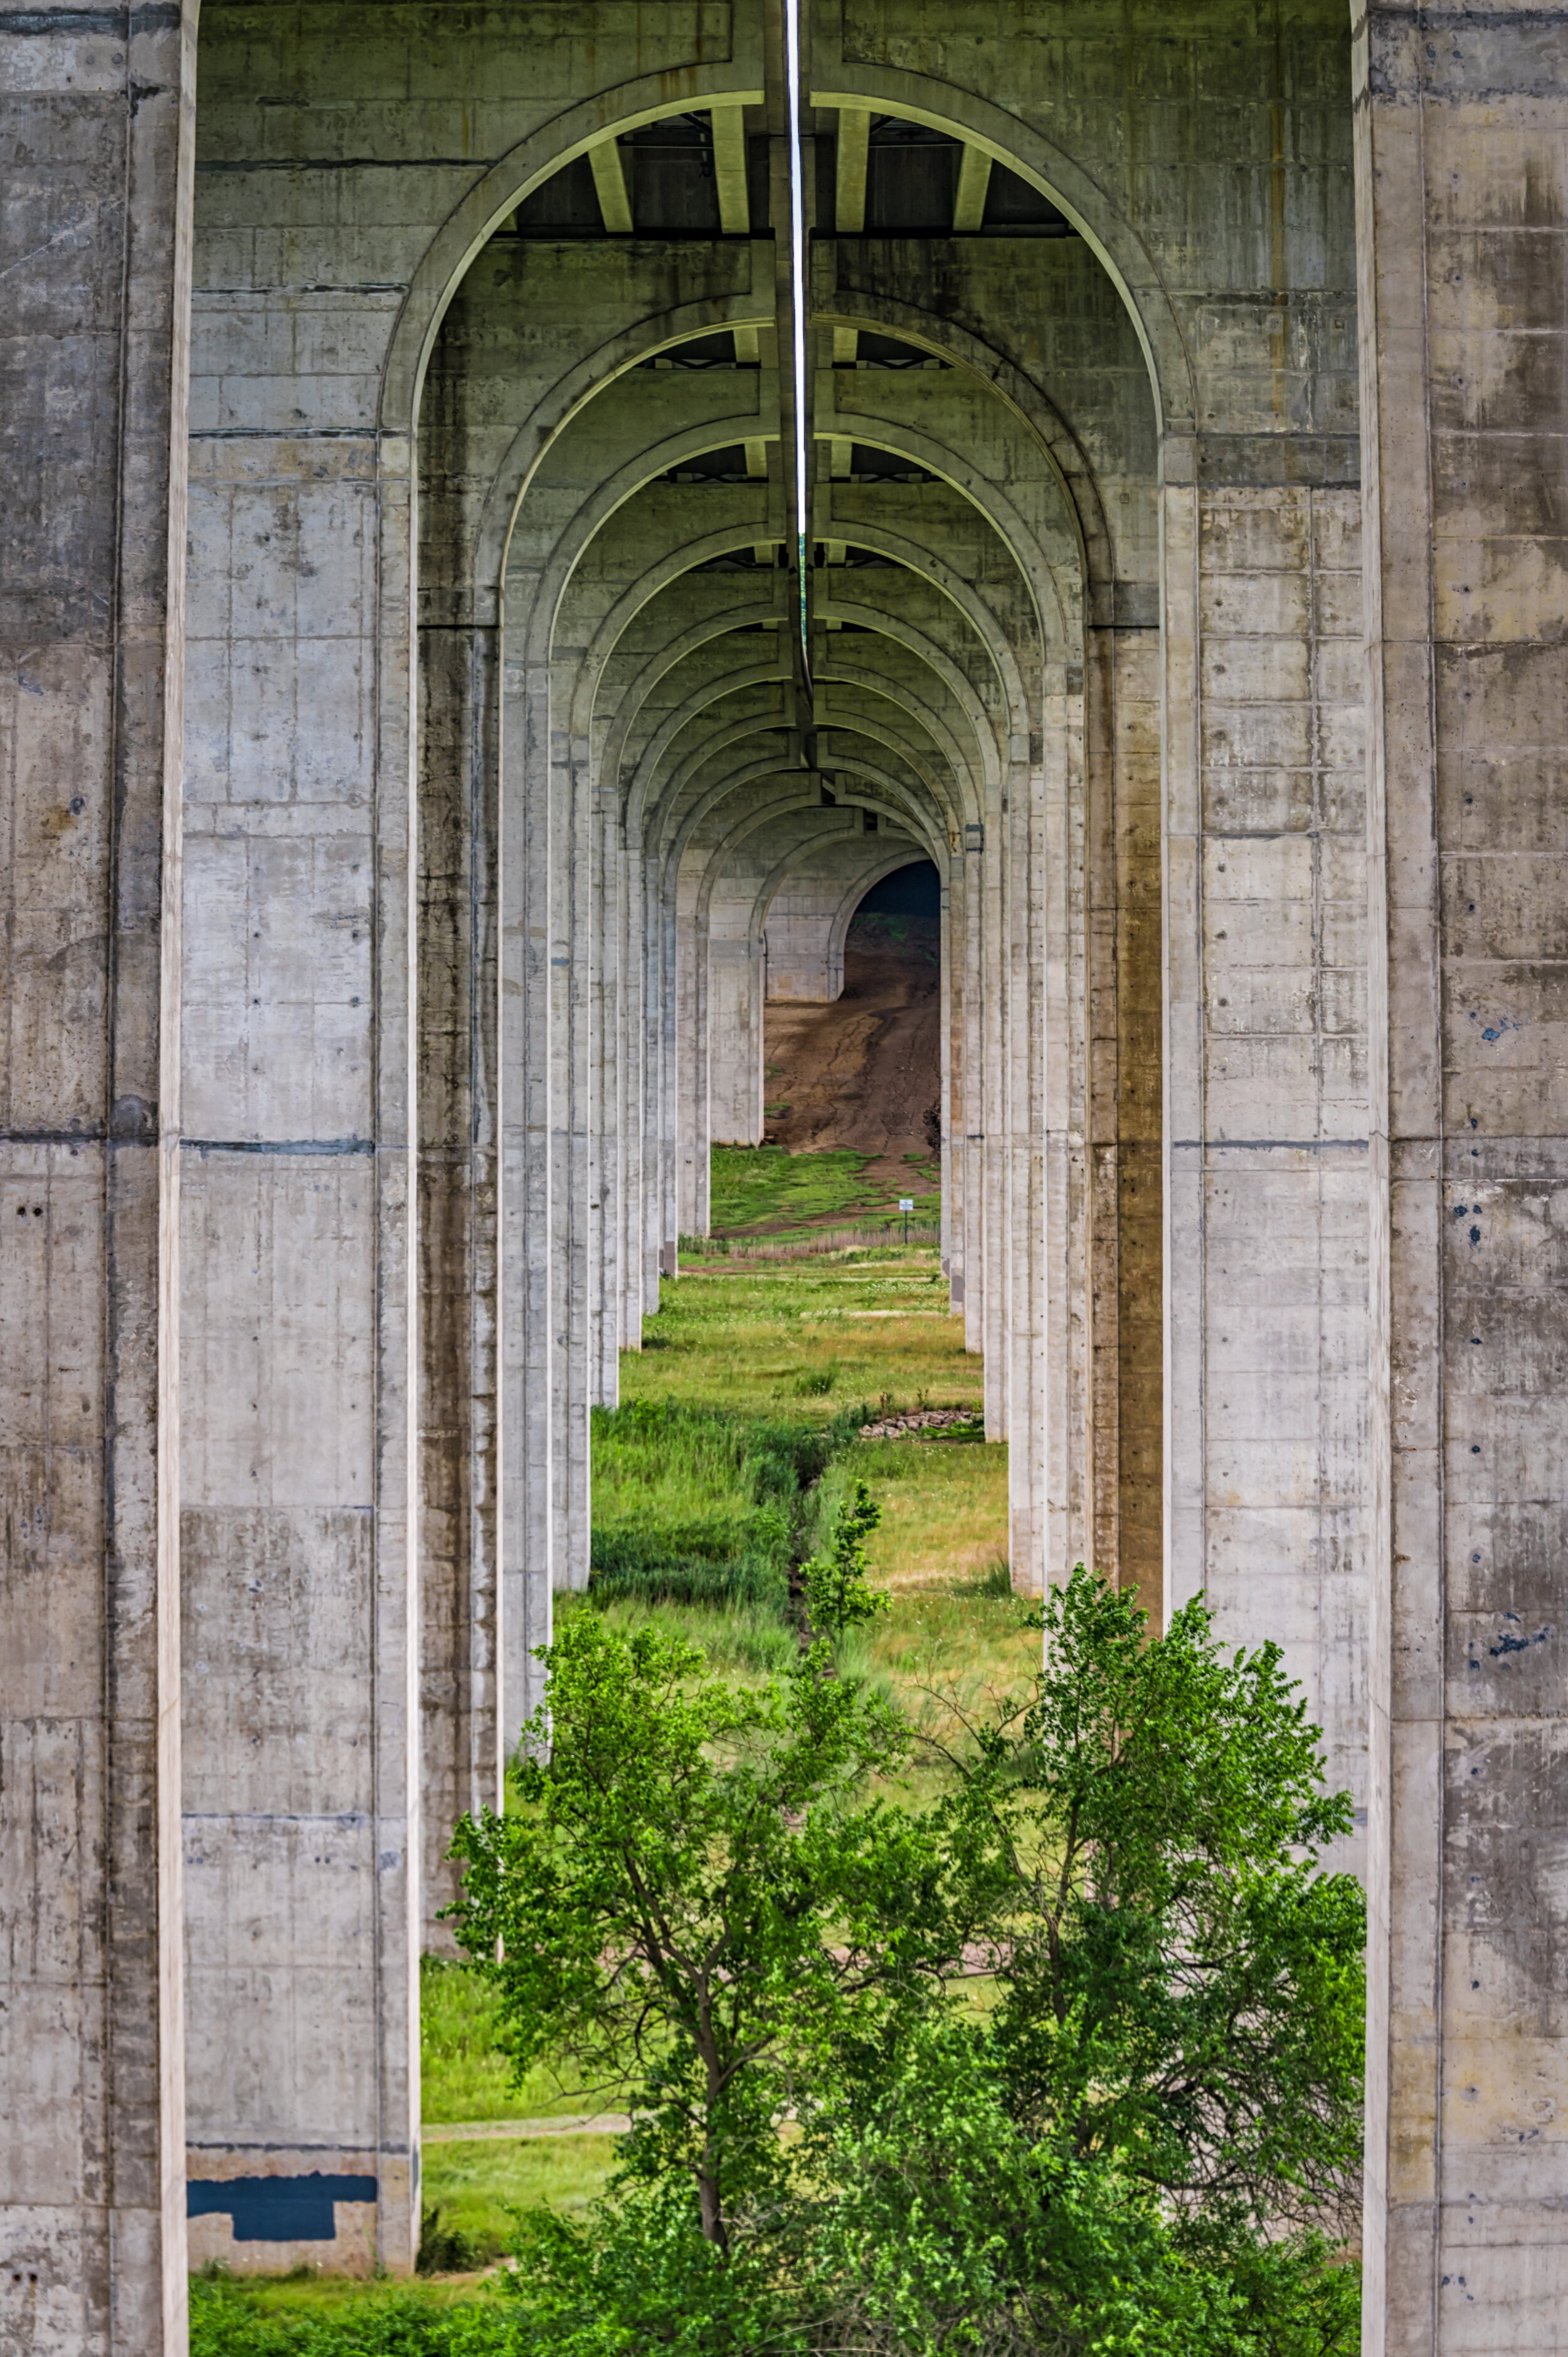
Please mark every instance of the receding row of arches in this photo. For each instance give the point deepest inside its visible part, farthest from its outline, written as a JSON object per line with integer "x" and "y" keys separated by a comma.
{"x": 664, "y": 751}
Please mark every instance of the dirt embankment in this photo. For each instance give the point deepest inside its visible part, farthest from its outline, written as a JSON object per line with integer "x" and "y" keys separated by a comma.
{"x": 865, "y": 1071}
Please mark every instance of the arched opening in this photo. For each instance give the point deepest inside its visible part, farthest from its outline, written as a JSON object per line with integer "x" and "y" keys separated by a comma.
{"x": 861, "y": 1067}
{"x": 645, "y": 797}
{"x": 652, "y": 817}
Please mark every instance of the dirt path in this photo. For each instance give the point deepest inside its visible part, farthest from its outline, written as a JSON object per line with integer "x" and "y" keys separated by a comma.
{"x": 865, "y": 1071}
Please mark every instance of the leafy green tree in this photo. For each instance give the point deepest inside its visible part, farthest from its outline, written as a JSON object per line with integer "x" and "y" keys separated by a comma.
{"x": 692, "y": 1899}
{"x": 1182, "y": 1984}
{"x": 944, "y": 2228}
{"x": 1142, "y": 2148}
{"x": 837, "y": 1591}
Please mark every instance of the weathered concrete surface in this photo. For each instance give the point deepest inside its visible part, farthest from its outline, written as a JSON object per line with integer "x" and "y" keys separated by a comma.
{"x": 302, "y": 1764}
{"x": 96, "y": 124}
{"x": 1461, "y": 122}
{"x": 475, "y": 960}
{"x": 1267, "y": 1126}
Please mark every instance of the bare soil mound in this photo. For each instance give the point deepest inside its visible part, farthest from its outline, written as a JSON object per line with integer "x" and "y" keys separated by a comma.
{"x": 865, "y": 1071}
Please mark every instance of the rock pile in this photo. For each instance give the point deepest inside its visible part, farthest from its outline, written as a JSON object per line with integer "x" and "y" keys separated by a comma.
{"x": 919, "y": 1419}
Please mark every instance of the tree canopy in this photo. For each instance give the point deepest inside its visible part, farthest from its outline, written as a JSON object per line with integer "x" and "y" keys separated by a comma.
{"x": 1066, "y": 2059}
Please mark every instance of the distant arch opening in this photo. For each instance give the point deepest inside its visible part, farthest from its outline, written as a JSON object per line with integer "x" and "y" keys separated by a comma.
{"x": 863, "y": 1068}
{"x": 912, "y": 891}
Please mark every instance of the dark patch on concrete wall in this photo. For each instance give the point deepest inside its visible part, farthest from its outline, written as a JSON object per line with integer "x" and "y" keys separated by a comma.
{"x": 278, "y": 2208}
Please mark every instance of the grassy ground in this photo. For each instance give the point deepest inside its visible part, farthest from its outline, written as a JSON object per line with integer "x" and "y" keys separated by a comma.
{"x": 812, "y": 1336}
{"x": 944, "y": 1508}
{"x": 463, "y": 2077}
{"x": 472, "y": 2189}
{"x": 300, "y": 2316}
{"x": 766, "y": 1190}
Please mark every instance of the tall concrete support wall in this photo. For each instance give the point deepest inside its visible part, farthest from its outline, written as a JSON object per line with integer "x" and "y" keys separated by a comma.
{"x": 302, "y": 1753}
{"x": 1462, "y": 131}
{"x": 1121, "y": 1293}
{"x": 96, "y": 122}
{"x": 1265, "y": 1080}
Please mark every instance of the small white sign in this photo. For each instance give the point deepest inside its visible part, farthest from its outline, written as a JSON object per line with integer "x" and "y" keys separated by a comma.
{"x": 905, "y": 1202}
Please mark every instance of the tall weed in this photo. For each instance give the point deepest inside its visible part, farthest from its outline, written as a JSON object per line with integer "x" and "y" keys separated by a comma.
{"x": 699, "y": 1506}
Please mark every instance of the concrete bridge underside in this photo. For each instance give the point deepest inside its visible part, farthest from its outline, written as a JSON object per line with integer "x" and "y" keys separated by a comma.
{"x": 458, "y": 663}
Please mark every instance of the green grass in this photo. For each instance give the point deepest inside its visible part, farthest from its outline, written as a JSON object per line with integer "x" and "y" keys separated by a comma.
{"x": 753, "y": 1338}
{"x": 306, "y": 2315}
{"x": 463, "y": 2077}
{"x": 944, "y": 1507}
{"x": 697, "y": 1505}
{"x": 473, "y": 2187}
{"x": 949, "y": 1648}
{"x": 742, "y": 1642}
{"x": 752, "y": 1187}
{"x": 766, "y": 1190}
{"x": 474, "y": 2190}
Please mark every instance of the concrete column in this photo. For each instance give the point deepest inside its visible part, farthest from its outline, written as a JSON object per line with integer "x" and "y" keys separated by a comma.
{"x": 531, "y": 1280}
{"x": 461, "y": 1738}
{"x": 1122, "y": 1092}
{"x": 301, "y": 1698}
{"x": 1462, "y": 131}
{"x": 574, "y": 1090}
{"x": 1265, "y": 1089}
{"x": 95, "y": 260}
{"x": 735, "y": 986}
{"x": 1033, "y": 838}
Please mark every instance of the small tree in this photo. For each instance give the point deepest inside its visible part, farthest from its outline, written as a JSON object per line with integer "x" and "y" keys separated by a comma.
{"x": 1183, "y": 1986}
{"x": 693, "y": 1898}
{"x": 839, "y": 1594}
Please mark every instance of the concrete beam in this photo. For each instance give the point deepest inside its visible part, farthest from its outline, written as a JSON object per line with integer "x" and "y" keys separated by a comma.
{"x": 853, "y": 155}
{"x": 973, "y": 179}
{"x": 729, "y": 173}
{"x": 609, "y": 186}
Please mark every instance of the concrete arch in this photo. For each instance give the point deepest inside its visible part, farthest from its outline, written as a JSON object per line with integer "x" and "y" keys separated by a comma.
{"x": 667, "y": 658}
{"x": 784, "y": 866}
{"x": 758, "y": 814}
{"x": 899, "y": 799}
{"x": 866, "y": 615}
{"x": 992, "y": 504}
{"x": 685, "y": 771}
{"x": 956, "y": 680}
{"x": 669, "y": 568}
{"x": 894, "y": 692}
{"x": 608, "y": 497}
{"x": 884, "y": 803}
{"x": 844, "y": 917}
{"x": 686, "y": 826}
{"x": 1011, "y": 528}
{"x": 861, "y": 725}
{"x": 710, "y": 692}
{"x": 1032, "y": 406}
{"x": 592, "y": 374}
{"x": 944, "y": 106}
{"x": 514, "y": 176}
{"x": 572, "y": 394}
{"x": 982, "y": 617}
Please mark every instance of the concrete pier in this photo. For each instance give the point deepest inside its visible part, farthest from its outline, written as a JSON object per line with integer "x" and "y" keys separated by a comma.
{"x": 96, "y": 223}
